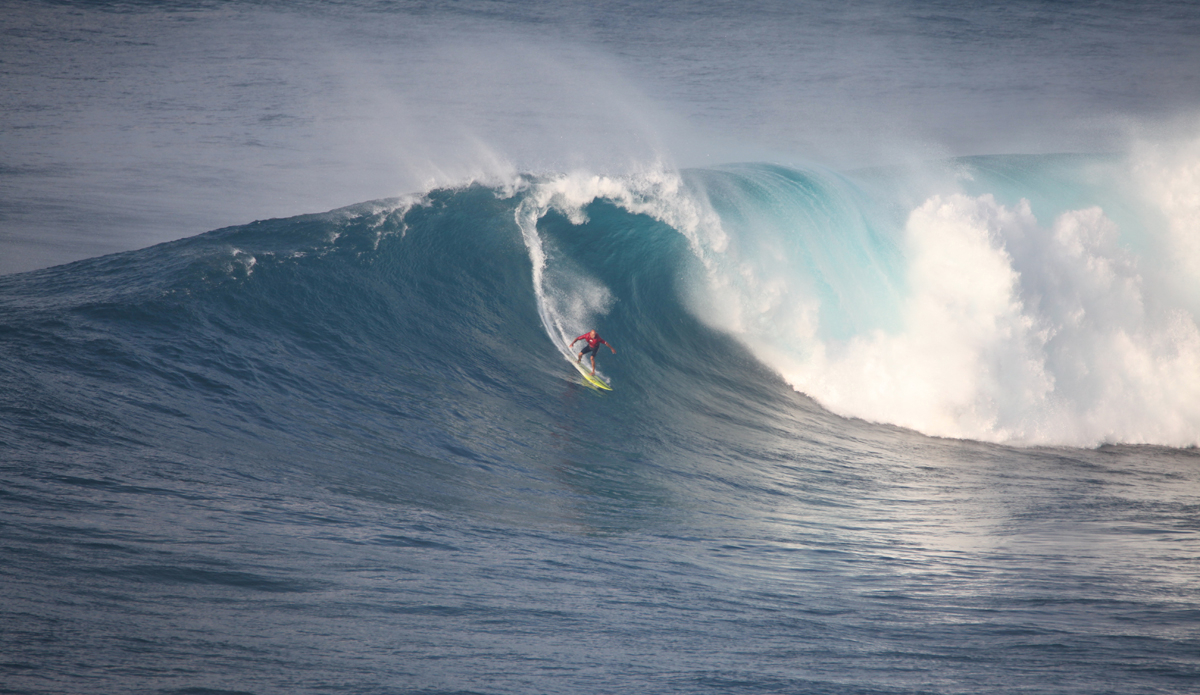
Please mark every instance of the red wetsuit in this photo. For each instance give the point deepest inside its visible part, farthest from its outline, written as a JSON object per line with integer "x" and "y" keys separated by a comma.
{"x": 592, "y": 342}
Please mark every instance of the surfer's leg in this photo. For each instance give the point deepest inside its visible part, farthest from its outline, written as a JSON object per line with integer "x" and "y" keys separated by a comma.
{"x": 593, "y": 364}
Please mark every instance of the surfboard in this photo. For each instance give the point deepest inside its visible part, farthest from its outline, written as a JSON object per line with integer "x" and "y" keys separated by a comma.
{"x": 594, "y": 381}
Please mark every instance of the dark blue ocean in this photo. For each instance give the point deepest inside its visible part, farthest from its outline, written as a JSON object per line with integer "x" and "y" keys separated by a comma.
{"x": 906, "y": 306}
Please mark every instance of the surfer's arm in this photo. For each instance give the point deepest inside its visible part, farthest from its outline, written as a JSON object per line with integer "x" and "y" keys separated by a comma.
{"x": 614, "y": 350}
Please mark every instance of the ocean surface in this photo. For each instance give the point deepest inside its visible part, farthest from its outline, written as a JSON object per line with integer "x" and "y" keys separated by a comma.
{"x": 905, "y": 299}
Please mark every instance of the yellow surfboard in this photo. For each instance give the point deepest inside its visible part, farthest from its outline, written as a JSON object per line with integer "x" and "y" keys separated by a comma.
{"x": 591, "y": 380}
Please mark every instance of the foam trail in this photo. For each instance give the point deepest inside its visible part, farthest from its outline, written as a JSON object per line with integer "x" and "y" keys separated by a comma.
{"x": 569, "y": 299}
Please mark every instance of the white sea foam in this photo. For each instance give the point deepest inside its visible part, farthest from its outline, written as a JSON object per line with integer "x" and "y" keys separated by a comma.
{"x": 1168, "y": 178}
{"x": 1012, "y": 332}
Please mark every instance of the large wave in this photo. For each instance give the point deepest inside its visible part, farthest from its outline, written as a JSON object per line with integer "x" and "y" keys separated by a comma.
{"x": 968, "y": 315}
{"x": 1030, "y": 300}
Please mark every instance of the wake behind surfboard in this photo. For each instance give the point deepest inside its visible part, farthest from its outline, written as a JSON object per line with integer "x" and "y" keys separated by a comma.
{"x": 591, "y": 380}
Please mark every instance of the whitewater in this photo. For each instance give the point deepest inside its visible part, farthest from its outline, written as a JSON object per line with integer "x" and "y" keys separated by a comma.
{"x": 906, "y": 396}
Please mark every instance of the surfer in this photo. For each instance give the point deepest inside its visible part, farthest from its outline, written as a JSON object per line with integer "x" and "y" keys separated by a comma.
{"x": 593, "y": 346}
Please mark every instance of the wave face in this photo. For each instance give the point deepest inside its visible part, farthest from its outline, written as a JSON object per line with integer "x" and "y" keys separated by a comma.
{"x": 345, "y": 448}
{"x": 393, "y": 329}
